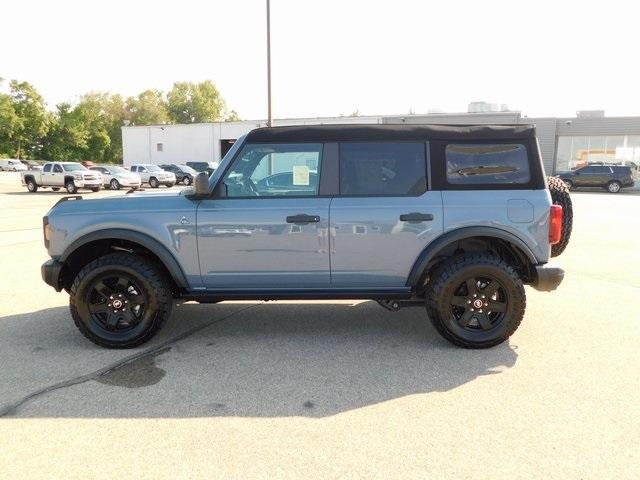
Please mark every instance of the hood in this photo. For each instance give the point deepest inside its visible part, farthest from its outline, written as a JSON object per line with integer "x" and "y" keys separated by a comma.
{"x": 144, "y": 202}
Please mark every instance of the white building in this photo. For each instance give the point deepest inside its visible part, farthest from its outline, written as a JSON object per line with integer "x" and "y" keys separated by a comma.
{"x": 564, "y": 142}
{"x": 201, "y": 142}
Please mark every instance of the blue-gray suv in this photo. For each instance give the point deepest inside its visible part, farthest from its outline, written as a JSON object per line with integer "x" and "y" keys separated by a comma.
{"x": 455, "y": 218}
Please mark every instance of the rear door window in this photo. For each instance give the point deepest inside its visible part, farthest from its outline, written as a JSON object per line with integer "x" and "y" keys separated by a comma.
{"x": 477, "y": 164}
{"x": 383, "y": 168}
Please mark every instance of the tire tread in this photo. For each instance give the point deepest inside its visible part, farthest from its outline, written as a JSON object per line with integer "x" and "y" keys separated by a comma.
{"x": 145, "y": 268}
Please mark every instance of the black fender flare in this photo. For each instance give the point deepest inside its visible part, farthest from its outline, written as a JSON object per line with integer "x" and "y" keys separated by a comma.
{"x": 148, "y": 242}
{"x": 437, "y": 245}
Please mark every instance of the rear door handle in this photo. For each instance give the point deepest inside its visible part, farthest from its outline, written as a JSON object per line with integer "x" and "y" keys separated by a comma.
{"x": 416, "y": 217}
{"x": 303, "y": 218}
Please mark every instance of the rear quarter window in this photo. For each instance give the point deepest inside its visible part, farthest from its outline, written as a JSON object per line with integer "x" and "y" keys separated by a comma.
{"x": 487, "y": 164}
{"x": 383, "y": 168}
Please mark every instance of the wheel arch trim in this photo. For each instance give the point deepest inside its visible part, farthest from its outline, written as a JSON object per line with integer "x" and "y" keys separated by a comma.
{"x": 144, "y": 240}
{"x": 435, "y": 247}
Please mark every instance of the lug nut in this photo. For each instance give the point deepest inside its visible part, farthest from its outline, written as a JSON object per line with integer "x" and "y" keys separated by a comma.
{"x": 480, "y": 311}
{"x": 472, "y": 310}
{"x": 482, "y": 296}
{"x": 468, "y": 301}
{"x": 474, "y": 295}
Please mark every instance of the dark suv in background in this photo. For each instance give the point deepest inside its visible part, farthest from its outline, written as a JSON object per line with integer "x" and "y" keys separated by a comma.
{"x": 208, "y": 167}
{"x": 184, "y": 174}
{"x": 610, "y": 177}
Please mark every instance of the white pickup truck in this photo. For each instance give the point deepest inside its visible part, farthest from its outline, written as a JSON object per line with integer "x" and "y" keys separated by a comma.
{"x": 68, "y": 175}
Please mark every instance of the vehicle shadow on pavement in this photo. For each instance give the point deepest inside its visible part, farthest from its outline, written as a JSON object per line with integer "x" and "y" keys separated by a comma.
{"x": 264, "y": 360}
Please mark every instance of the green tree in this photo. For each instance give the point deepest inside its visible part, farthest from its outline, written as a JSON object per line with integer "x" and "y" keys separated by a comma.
{"x": 148, "y": 108}
{"x": 9, "y": 125}
{"x": 232, "y": 116}
{"x": 189, "y": 102}
{"x": 67, "y": 137}
{"x": 33, "y": 119}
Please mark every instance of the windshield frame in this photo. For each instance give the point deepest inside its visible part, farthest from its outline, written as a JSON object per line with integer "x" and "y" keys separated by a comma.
{"x": 218, "y": 173}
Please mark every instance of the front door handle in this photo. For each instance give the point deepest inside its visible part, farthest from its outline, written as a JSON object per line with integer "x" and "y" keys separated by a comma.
{"x": 302, "y": 218}
{"x": 416, "y": 217}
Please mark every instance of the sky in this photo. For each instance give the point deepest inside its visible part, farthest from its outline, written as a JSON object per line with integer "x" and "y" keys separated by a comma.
{"x": 332, "y": 57}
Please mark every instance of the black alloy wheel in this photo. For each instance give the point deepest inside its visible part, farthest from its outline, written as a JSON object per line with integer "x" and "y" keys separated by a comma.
{"x": 475, "y": 300}
{"x": 120, "y": 300}
{"x": 479, "y": 303}
{"x": 115, "y": 302}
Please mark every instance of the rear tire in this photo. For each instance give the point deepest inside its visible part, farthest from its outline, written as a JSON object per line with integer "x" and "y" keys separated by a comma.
{"x": 614, "y": 187}
{"x": 560, "y": 196}
{"x": 32, "y": 186}
{"x": 55, "y": 189}
{"x": 95, "y": 189}
{"x": 475, "y": 300}
{"x": 120, "y": 300}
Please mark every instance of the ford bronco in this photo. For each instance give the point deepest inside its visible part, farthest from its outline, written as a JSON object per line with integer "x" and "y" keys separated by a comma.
{"x": 454, "y": 218}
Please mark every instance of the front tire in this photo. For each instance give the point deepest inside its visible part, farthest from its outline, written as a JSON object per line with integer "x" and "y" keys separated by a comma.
{"x": 114, "y": 184}
{"x": 475, "y": 301}
{"x": 120, "y": 300}
{"x": 70, "y": 186}
{"x": 186, "y": 181}
{"x": 153, "y": 182}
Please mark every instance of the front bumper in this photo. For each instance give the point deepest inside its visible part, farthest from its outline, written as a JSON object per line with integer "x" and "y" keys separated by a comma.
{"x": 547, "y": 278}
{"x": 88, "y": 183}
{"x": 50, "y": 272}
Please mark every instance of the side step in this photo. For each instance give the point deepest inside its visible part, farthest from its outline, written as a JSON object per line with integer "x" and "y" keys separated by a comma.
{"x": 395, "y": 305}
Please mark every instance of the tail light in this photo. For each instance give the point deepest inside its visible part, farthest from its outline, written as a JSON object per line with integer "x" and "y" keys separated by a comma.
{"x": 555, "y": 224}
{"x": 46, "y": 230}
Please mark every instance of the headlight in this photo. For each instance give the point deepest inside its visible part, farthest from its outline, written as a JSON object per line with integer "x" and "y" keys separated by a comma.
{"x": 77, "y": 176}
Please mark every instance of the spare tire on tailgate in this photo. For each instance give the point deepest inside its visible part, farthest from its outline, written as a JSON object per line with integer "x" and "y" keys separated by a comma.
{"x": 560, "y": 196}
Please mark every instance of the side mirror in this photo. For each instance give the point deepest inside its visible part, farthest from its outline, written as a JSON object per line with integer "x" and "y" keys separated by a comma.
{"x": 201, "y": 184}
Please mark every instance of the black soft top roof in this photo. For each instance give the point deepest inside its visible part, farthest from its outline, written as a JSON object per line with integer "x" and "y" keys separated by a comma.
{"x": 372, "y": 132}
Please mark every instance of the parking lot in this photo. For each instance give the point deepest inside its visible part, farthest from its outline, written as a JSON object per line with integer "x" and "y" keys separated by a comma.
{"x": 327, "y": 389}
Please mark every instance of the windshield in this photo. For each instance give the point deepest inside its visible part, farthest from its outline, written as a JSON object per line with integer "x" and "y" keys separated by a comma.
{"x": 230, "y": 154}
{"x": 187, "y": 169}
{"x": 153, "y": 168}
{"x": 73, "y": 167}
{"x": 118, "y": 170}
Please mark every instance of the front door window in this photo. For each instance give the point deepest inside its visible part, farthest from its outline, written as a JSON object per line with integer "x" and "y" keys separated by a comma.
{"x": 275, "y": 170}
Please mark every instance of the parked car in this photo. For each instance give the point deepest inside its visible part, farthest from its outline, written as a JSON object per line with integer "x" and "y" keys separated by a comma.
{"x": 459, "y": 233}
{"x": 184, "y": 173}
{"x": 154, "y": 175}
{"x": 610, "y": 177}
{"x": 57, "y": 175}
{"x": 208, "y": 167}
{"x": 115, "y": 177}
{"x": 11, "y": 165}
{"x": 31, "y": 164}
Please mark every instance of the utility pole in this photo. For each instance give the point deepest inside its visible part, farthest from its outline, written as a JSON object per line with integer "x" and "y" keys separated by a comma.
{"x": 269, "y": 119}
